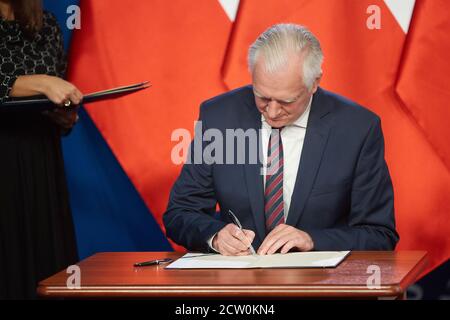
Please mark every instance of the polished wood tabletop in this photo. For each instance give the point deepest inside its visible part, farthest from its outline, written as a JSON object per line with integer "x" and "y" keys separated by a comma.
{"x": 113, "y": 275}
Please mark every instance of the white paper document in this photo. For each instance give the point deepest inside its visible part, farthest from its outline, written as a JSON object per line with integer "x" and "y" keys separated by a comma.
{"x": 319, "y": 259}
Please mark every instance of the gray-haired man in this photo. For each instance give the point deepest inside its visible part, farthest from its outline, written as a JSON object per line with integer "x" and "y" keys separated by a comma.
{"x": 322, "y": 184}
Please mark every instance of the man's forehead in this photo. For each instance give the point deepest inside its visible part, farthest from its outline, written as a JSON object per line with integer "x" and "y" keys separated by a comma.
{"x": 278, "y": 88}
{"x": 284, "y": 79}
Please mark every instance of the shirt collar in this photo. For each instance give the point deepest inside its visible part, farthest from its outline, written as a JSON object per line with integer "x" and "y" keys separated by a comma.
{"x": 301, "y": 122}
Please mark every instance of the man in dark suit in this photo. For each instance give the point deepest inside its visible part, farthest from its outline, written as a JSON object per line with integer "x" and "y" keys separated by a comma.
{"x": 322, "y": 182}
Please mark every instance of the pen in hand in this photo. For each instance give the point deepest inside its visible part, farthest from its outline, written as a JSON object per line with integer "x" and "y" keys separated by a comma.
{"x": 238, "y": 223}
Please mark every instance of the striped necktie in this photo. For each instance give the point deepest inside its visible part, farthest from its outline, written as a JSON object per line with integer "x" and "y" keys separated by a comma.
{"x": 273, "y": 194}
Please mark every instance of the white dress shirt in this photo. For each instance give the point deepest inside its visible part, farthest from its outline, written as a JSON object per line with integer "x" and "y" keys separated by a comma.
{"x": 292, "y": 138}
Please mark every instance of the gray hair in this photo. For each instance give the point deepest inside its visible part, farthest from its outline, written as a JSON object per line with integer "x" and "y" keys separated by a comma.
{"x": 276, "y": 43}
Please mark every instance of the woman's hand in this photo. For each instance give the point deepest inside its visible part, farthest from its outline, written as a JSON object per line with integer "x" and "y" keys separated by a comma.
{"x": 64, "y": 118}
{"x": 60, "y": 91}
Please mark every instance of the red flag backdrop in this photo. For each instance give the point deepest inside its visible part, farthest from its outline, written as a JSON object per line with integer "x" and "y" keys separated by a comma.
{"x": 191, "y": 51}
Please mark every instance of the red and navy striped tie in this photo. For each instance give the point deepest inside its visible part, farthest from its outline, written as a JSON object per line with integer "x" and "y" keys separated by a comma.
{"x": 273, "y": 194}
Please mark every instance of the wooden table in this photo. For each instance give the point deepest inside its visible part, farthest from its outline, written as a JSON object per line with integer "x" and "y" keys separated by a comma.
{"x": 113, "y": 275}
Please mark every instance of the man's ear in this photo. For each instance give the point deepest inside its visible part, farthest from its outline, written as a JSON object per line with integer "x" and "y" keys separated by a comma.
{"x": 316, "y": 84}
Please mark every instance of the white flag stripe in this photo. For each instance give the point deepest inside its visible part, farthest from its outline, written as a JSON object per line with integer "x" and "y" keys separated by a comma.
{"x": 402, "y": 10}
{"x": 230, "y": 7}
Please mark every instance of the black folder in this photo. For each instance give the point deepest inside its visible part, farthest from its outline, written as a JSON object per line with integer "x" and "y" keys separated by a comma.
{"x": 41, "y": 103}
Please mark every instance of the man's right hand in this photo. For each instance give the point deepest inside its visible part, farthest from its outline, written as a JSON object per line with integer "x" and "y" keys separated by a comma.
{"x": 232, "y": 241}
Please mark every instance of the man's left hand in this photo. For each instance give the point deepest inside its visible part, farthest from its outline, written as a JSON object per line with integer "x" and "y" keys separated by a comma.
{"x": 285, "y": 237}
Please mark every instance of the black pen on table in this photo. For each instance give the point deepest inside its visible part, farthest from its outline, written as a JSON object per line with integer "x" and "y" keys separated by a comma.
{"x": 238, "y": 223}
{"x": 152, "y": 262}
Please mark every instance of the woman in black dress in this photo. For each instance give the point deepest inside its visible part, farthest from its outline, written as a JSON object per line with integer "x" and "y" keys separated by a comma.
{"x": 37, "y": 235}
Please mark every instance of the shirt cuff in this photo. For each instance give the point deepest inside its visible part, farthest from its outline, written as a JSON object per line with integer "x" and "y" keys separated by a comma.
{"x": 210, "y": 240}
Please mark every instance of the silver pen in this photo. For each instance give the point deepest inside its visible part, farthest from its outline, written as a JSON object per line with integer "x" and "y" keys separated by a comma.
{"x": 238, "y": 223}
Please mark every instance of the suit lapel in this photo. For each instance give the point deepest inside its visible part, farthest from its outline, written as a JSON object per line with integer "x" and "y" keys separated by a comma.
{"x": 313, "y": 146}
{"x": 251, "y": 119}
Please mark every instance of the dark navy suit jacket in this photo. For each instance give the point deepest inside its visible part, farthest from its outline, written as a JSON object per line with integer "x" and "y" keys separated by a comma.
{"x": 343, "y": 196}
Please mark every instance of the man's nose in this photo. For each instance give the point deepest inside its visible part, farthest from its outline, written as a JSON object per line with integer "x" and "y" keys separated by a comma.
{"x": 273, "y": 109}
